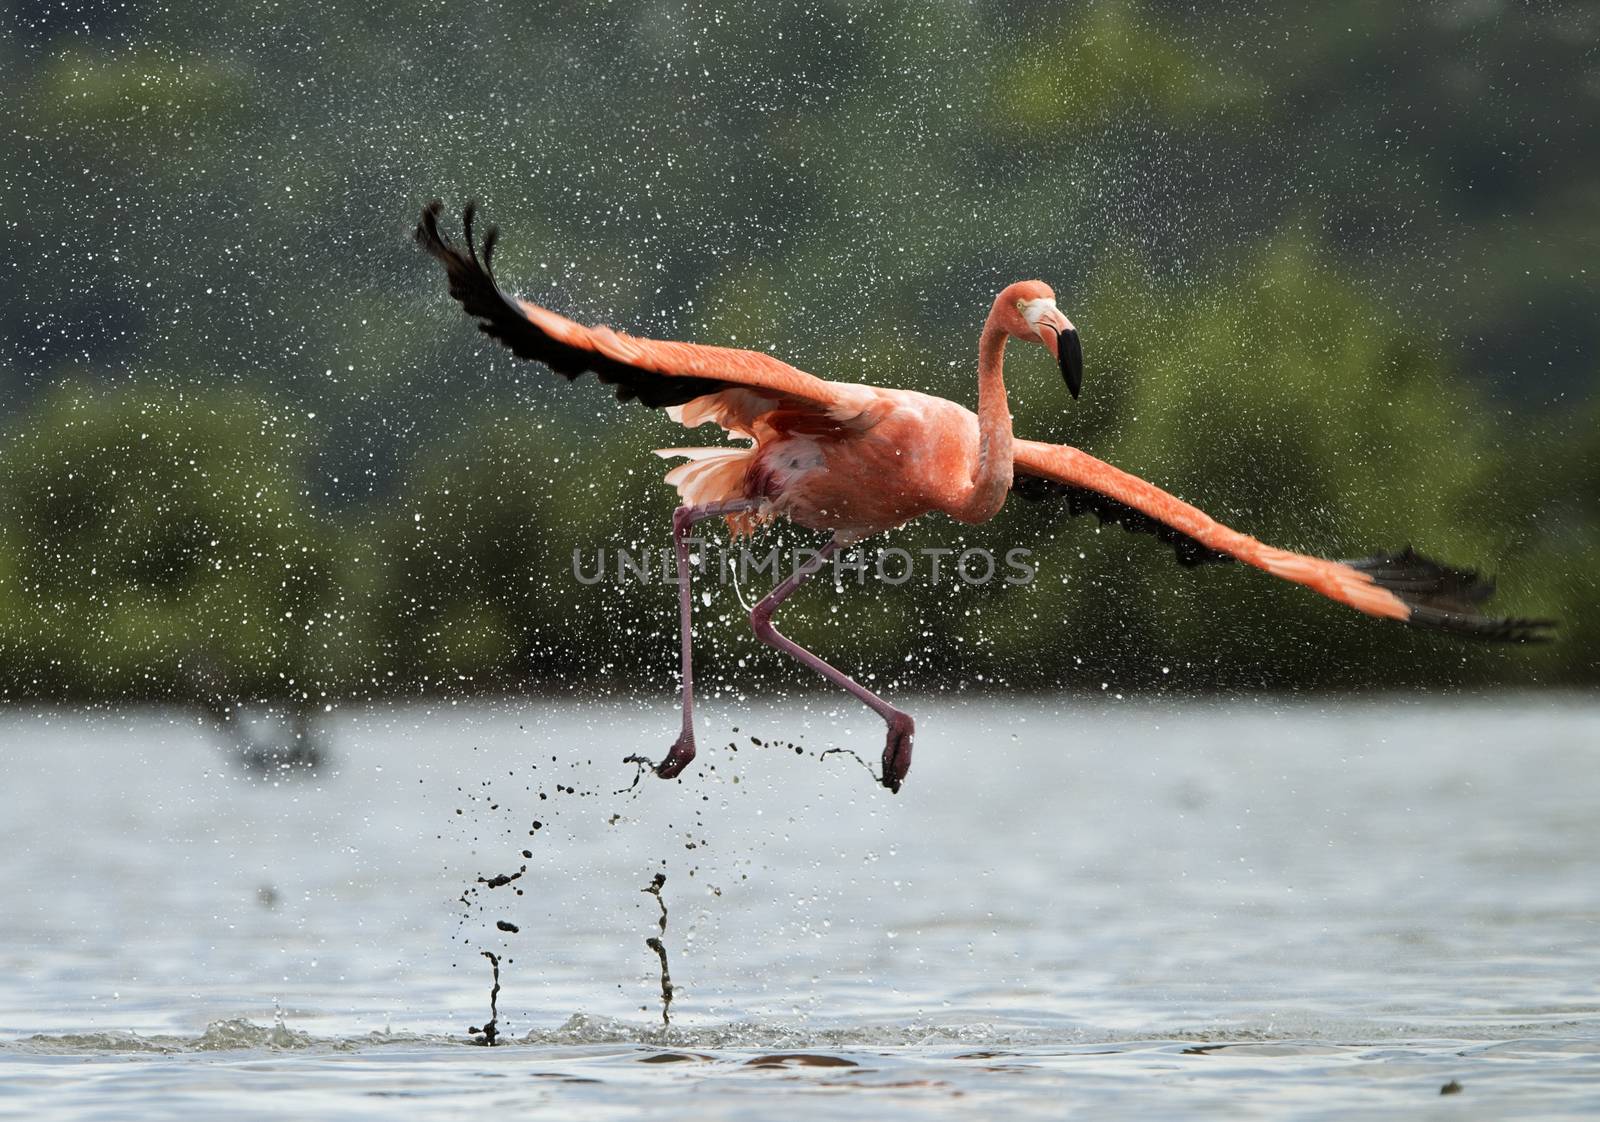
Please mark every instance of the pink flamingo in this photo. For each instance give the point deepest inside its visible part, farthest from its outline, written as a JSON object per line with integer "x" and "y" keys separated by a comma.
{"x": 855, "y": 460}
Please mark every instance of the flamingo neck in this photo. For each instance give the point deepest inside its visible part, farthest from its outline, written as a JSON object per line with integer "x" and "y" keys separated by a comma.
{"x": 991, "y": 478}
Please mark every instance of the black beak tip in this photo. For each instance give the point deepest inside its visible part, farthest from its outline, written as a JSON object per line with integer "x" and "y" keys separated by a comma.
{"x": 1071, "y": 355}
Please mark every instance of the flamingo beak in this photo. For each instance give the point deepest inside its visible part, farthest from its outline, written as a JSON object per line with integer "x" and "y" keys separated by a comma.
{"x": 1062, "y": 342}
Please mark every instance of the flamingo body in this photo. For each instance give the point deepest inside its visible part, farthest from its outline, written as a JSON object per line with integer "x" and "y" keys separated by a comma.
{"x": 877, "y": 459}
{"x": 855, "y": 460}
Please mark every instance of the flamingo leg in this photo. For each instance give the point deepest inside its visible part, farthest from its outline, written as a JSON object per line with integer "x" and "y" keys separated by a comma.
{"x": 683, "y": 519}
{"x": 897, "y": 748}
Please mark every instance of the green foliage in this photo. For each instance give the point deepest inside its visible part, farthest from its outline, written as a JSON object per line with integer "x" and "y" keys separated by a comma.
{"x": 1108, "y": 59}
{"x": 158, "y": 540}
{"x": 1332, "y": 269}
{"x": 146, "y": 91}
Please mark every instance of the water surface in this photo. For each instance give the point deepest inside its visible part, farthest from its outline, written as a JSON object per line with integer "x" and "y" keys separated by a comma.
{"x": 1233, "y": 909}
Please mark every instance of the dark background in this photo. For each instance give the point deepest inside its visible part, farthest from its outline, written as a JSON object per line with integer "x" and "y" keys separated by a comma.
{"x": 1335, "y": 277}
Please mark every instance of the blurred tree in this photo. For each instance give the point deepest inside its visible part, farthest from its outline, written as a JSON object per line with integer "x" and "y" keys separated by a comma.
{"x": 1332, "y": 266}
{"x": 162, "y": 544}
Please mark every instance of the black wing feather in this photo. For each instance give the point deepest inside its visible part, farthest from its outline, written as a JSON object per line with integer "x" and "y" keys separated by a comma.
{"x": 473, "y": 285}
{"x": 1082, "y": 500}
{"x": 1442, "y": 598}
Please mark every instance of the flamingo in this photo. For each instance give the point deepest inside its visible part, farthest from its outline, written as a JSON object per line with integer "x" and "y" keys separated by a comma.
{"x": 854, "y": 460}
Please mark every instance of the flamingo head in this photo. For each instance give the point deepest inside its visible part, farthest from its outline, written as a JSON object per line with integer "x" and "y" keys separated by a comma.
{"x": 1027, "y": 310}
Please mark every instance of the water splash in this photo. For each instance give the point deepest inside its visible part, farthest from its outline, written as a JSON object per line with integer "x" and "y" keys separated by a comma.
{"x": 654, "y": 943}
{"x": 491, "y": 1028}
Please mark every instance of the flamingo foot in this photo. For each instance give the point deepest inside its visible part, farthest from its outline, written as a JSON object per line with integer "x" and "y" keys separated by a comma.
{"x": 897, "y": 750}
{"x": 681, "y": 756}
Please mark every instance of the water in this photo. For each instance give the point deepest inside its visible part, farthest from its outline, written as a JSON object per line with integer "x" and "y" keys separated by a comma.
{"x": 1242, "y": 910}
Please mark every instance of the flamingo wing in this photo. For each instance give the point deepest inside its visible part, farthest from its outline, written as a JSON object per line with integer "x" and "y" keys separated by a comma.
{"x": 1404, "y": 586}
{"x": 654, "y": 372}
